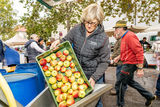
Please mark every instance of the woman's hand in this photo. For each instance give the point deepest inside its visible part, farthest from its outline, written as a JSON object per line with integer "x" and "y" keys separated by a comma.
{"x": 54, "y": 44}
{"x": 92, "y": 82}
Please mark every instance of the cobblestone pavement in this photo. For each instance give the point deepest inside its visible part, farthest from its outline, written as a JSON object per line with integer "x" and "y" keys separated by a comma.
{"x": 132, "y": 97}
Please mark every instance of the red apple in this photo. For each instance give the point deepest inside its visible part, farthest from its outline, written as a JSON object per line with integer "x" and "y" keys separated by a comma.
{"x": 75, "y": 93}
{"x": 48, "y": 59}
{"x": 66, "y": 63}
{"x": 45, "y": 68}
{"x": 68, "y": 85}
{"x": 63, "y": 58}
{"x": 59, "y": 54}
{"x": 53, "y": 63}
{"x": 70, "y": 102}
{"x": 54, "y": 73}
{"x": 59, "y": 77}
{"x": 74, "y": 86}
{"x": 54, "y": 86}
{"x": 65, "y": 79}
{"x": 60, "y": 63}
{"x": 72, "y": 65}
{"x": 77, "y": 74}
{"x": 85, "y": 86}
{"x": 59, "y": 84}
{"x": 57, "y": 67}
{"x": 53, "y": 56}
{"x": 43, "y": 62}
{"x": 59, "y": 98}
{"x": 68, "y": 73}
{"x": 71, "y": 79}
{"x": 65, "y": 52}
{"x": 63, "y": 69}
{"x": 69, "y": 58}
{"x": 52, "y": 80}
{"x": 57, "y": 92}
{"x": 62, "y": 104}
{"x": 64, "y": 88}
{"x": 81, "y": 93}
{"x": 70, "y": 91}
{"x": 47, "y": 73}
{"x": 80, "y": 81}
{"x": 73, "y": 70}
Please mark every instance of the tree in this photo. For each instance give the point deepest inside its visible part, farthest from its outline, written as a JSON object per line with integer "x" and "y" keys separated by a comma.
{"x": 7, "y": 22}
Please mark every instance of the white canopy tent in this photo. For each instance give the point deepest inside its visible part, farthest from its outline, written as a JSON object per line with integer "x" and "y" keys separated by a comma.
{"x": 154, "y": 28}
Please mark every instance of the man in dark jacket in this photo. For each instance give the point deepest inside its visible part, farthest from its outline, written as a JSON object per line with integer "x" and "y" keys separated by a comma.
{"x": 1, "y": 51}
{"x": 90, "y": 44}
{"x": 132, "y": 57}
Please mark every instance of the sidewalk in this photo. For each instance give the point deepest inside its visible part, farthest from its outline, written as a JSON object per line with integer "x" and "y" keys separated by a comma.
{"x": 132, "y": 97}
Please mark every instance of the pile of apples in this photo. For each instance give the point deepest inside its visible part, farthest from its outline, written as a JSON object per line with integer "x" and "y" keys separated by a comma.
{"x": 66, "y": 82}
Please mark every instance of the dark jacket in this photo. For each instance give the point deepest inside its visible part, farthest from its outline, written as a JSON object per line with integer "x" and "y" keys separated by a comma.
{"x": 32, "y": 53}
{"x": 1, "y": 51}
{"x": 93, "y": 52}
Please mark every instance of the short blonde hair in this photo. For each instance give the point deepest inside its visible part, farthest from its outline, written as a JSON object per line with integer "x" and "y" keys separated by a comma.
{"x": 91, "y": 12}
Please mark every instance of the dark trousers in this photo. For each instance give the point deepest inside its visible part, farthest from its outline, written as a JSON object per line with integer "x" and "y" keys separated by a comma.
{"x": 158, "y": 86}
{"x": 126, "y": 77}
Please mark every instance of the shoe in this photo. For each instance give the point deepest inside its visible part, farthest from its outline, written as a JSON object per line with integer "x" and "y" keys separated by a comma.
{"x": 149, "y": 102}
{"x": 113, "y": 92}
{"x": 157, "y": 97}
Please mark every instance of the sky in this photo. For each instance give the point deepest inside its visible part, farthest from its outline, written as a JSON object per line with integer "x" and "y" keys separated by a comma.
{"x": 18, "y": 7}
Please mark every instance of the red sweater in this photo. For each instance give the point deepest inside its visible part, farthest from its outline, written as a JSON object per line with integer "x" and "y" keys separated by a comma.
{"x": 131, "y": 49}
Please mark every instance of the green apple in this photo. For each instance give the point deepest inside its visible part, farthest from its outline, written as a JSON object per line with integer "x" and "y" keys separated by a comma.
{"x": 65, "y": 79}
{"x": 47, "y": 73}
{"x": 59, "y": 84}
{"x": 69, "y": 58}
{"x": 71, "y": 79}
{"x": 59, "y": 98}
{"x": 65, "y": 52}
{"x": 70, "y": 91}
{"x": 80, "y": 81}
{"x": 64, "y": 88}
{"x": 66, "y": 63}
{"x": 51, "y": 68}
{"x": 81, "y": 93}
{"x": 57, "y": 92}
{"x": 68, "y": 73}
{"x": 54, "y": 86}
{"x": 74, "y": 86}
{"x": 53, "y": 56}
{"x": 68, "y": 85}
{"x": 52, "y": 80}
{"x": 57, "y": 68}
{"x": 60, "y": 63}
{"x": 54, "y": 73}
{"x": 53, "y": 63}
{"x": 77, "y": 74}
{"x": 48, "y": 59}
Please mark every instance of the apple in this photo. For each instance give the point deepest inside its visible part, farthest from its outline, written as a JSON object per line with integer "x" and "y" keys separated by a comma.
{"x": 53, "y": 63}
{"x": 81, "y": 93}
{"x": 48, "y": 59}
{"x": 63, "y": 69}
{"x": 68, "y": 85}
{"x": 74, "y": 86}
{"x": 59, "y": 98}
{"x": 65, "y": 52}
{"x": 57, "y": 92}
{"x": 47, "y": 73}
{"x": 43, "y": 62}
{"x": 59, "y": 54}
{"x": 70, "y": 102}
{"x": 53, "y": 56}
{"x": 75, "y": 93}
{"x": 59, "y": 77}
{"x": 57, "y": 67}
{"x": 68, "y": 73}
{"x": 45, "y": 68}
{"x": 69, "y": 58}
{"x": 65, "y": 79}
{"x": 52, "y": 80}
{"x": 71, "y": 79}
{"x": 62, "y": 104}
{"x": 50, "y": 68}
{"x": 81, "y": 87}
{"x": 54, "y": 86}
{"x": 63, "y": 58}
{"x": 64, "y": 88}
{"x": 73, "y": 70}
{"x": 60, "y": 63}
{"x": 77, "y": 74}
{"x": 64, "y": 96}
{"x": 85, "y": 86}
{"x": 66, "y": 63}
{"x": 70, "y": 91}
{"x": 80, "y": 81}
{"x": 59, "y": 84}
{"x": 72, "y": 65}
{"x": 54, "y": 73}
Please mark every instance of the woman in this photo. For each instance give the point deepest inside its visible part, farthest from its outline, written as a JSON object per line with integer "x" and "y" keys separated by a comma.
{"x": 90, "y": 44}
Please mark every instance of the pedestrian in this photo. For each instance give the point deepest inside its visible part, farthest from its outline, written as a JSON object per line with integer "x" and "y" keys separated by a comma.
{"x": 115, "y": 59}
{"x": 41, "y": 43}
{"x": 90, "y": 44}
{"x": 132, "y": 57}
{"x": 156, "y": 50}
{"x": 145, "y": 44}
{"x": 32, "y": 48}
{"x": 1, "y": 51}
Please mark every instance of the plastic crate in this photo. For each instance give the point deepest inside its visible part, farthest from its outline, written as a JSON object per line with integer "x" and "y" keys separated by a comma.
{"x": 64, "y": 46}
